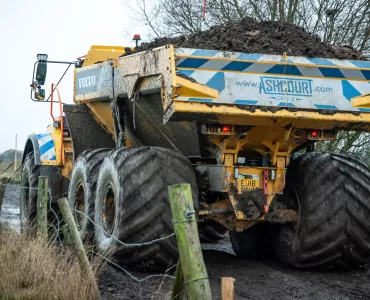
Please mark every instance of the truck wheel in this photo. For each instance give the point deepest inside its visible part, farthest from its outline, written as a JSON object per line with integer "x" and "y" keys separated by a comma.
{"x": 132, "y": 204}
{"x": 82, "y": 189}
{"x": 332, "y": 195}
{"x": 212, "y": 233}
{"x": 28, "y": 199}
{"x": 255, "y": 242}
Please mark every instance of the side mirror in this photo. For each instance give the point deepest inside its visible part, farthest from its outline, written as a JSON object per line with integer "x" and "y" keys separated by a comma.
{"x": 41, "y": 73}
{"x": 39, "y": 94}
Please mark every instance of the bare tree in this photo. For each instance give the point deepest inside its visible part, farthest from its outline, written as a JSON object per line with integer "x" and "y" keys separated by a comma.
{"x": 344, "y": 22}
{"x": 146, "y": 13}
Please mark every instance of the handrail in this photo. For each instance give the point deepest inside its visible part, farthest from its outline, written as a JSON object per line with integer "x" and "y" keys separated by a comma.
{"x": 54, "y": 87}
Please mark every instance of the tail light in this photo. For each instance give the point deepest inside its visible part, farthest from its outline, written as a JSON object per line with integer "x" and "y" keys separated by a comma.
{"x": 226, "y": 128}
{"x": 217, "y": 129}
{"x": 321, "y": 135}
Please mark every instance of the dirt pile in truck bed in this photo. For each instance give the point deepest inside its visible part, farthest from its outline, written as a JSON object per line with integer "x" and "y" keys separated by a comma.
{"x": 251, "y": 36}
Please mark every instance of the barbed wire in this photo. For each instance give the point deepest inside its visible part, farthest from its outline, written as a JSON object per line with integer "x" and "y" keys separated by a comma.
{"x": 128, "y": 273}
{"x": 193, "y": 280}
{"x": 18, "y": 186}
{"x": 133, "y": 277}
{"x": 58, "y": 227}
{"x": 119, "y": 241}
{"x": 139, "y": 280}
{"x": 58, "y": 222}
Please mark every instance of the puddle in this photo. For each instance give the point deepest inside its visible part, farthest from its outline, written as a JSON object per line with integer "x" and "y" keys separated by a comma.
{"x": 9, "y": 214}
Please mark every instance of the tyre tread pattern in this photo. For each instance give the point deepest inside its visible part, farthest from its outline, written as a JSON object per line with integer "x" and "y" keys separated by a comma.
{"x": 32, "y": 172}
{"x": 89, "y": 163}
{"x": 144, "y": 208}
{"x": 335, "y": 212}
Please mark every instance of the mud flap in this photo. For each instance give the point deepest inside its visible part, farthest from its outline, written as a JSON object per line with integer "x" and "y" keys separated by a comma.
{"x": 85, "y": 131}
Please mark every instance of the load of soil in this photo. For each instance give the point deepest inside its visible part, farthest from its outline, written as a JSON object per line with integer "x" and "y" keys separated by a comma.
{"x": 250, "y": 36}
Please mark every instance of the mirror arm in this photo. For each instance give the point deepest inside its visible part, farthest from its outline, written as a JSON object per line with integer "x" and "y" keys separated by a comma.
{"x": 59, "y": 62}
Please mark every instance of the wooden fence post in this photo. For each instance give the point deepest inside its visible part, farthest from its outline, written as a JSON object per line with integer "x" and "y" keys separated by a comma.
{"x": 42, "y": 206}
{"x": 66, "y": 235}
{"x": 77, "y": 242}
{"x": 186, "y": 228}
{"x": 227, "y": 287}
{"x": 178, "y": 288}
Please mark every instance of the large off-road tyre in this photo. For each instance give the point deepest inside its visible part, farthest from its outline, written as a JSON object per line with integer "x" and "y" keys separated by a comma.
{"x": 28, "y": 199}
{"x": 82, "y": 190}
{"x": 212, "y": 233}
{"x": 255, "y": 242}
{"x": 332, "y": 194}
{"x": 132, "y": 204}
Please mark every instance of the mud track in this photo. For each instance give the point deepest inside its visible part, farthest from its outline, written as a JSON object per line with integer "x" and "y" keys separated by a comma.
{"x": 257, "y": 280}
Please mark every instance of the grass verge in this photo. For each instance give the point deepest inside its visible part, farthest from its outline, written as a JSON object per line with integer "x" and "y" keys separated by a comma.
{"x": 32, "y": 268}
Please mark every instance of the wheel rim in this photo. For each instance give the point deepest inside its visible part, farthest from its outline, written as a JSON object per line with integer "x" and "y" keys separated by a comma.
{"x": 79, "y": 205}
{"x": 109, "y": 209}
{"x": 290, "y": 230}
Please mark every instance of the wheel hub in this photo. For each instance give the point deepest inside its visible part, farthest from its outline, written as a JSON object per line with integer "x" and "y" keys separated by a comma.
{"x": 79, "y": 205}
{"x": 109, "y": 209}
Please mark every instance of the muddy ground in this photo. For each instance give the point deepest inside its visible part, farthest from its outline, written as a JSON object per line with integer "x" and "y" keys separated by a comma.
{"x": 258, "y": 280}
{"x": 9, "y": 214}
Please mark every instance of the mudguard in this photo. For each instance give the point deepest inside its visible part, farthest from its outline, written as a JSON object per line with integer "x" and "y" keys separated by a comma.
{"x": 43, "y": 147}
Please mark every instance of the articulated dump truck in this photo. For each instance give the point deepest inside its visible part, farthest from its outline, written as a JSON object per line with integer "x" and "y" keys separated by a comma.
{"x": 240, "y": 128}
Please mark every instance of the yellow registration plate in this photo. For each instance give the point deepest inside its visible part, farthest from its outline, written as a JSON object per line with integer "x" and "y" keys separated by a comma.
{"x": 246, "y": 184}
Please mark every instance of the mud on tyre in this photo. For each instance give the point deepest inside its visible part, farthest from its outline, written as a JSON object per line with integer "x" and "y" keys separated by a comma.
{"x": 28, "y": 197}
{"x": 332, "y": 194}
{"x": 132, "y": 204}
{"x": 82, "y": 190}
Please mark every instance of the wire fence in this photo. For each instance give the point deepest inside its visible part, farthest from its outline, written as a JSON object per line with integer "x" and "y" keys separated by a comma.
{"x": 120, "y": 242}
{"x": 183, "y": 214}
{"x": 58, "y": 222}
{"x": 56, "y": 227}
{"x": 140, "y": 244}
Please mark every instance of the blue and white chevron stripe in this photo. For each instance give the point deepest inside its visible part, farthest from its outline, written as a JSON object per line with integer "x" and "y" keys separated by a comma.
{"x": 47, "y": 148}
{"x": 272, "y": 64}
{"x": 258, "y": 79}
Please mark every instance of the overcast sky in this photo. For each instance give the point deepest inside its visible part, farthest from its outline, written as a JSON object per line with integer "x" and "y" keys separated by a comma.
{"x": 64, "y": 30}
